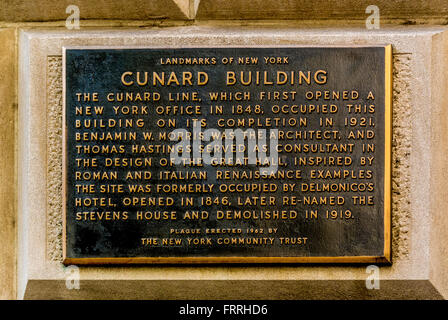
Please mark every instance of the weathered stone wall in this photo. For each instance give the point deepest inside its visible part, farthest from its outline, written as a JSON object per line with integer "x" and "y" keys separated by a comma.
{"x": 401, "y": 150}
{"x": 315, "y": 12}
{"x": 40, "y": 268}
{"x": 8, "y": 125}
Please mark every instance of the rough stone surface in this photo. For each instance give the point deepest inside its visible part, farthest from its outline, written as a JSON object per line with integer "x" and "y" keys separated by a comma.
{"x": 240, "y": 290}
{"x": 8, "y": 112}
{"x": 321, "y": 10}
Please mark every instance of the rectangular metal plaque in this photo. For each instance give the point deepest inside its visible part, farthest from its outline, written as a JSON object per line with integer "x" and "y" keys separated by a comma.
{"x": 227, "y": 155}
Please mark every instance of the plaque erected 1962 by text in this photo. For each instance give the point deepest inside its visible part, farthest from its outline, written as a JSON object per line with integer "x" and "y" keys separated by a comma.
{"x": 221, "y": 155}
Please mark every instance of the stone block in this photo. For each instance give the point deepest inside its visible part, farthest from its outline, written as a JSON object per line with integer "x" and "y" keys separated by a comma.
{"x": 401, "y": 11}
{"x": 419, "y": 219}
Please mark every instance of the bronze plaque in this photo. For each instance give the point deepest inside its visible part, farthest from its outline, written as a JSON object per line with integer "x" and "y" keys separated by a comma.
{"x": 227, "y": 155}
